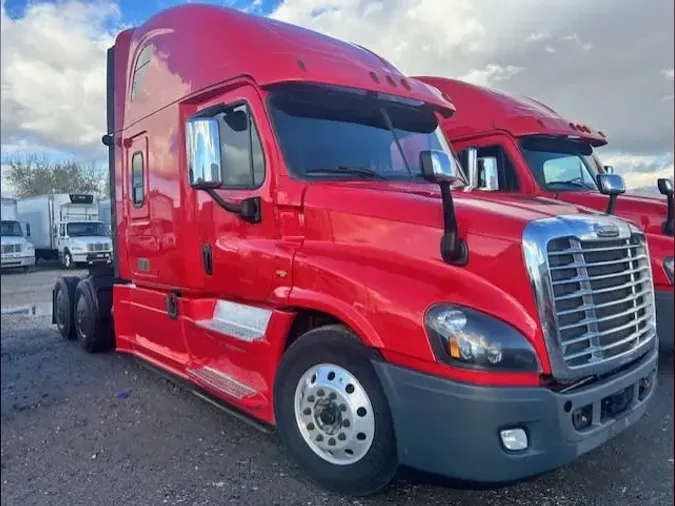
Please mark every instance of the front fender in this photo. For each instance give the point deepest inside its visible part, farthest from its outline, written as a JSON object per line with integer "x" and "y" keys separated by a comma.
{"x": 383, "y": 295}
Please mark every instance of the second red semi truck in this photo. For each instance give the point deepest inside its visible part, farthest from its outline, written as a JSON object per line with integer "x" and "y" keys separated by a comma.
{"x": 516, "y": 145}
{"x": 292, "y": 241}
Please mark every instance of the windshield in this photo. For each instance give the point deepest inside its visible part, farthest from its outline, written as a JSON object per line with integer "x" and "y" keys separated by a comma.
{"x": 560, "y": 163}
{"x": 11, "y": 229}
{"x": 85, "y": 229}
{"x": 330, "y": 133}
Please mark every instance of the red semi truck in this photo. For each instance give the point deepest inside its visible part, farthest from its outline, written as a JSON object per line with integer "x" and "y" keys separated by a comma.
{"x": 517, "y": 145}
{"x": 285, "y": 248}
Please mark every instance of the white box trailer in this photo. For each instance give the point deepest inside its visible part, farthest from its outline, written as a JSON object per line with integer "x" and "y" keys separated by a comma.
{"x": 66, "y": 226}
{"x": 16, "y": 250}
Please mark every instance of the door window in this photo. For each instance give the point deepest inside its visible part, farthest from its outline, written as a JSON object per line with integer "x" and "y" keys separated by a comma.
{"x": 495, "y": 169}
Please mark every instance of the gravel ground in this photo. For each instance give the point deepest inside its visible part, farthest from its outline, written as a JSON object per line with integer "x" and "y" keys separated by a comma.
{"x": 70, "y": 438}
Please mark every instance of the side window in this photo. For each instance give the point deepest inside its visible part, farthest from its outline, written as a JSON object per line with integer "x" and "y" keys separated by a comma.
{"x": 495, "y": 169}
{"x": 242, "y": 160}
{"x": 137, "y": 180}
{"x": 142, "y": 65}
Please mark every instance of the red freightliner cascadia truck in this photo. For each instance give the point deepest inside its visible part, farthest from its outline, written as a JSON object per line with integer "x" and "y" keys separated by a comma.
{"x": 292, "y": 242}
{"x": 517, "y": 145}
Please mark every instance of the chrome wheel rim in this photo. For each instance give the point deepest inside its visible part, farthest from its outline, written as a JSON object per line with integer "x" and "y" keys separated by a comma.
{"x": 334, "y": 414}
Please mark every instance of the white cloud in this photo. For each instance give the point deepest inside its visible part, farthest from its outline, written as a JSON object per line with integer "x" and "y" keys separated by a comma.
{"x": 586, "y": 46}
{"x": 53, "y": 74}
{"x": 536, "y": 37}
{"x": 668, "y": 73}
{"x": 491, "y": 73}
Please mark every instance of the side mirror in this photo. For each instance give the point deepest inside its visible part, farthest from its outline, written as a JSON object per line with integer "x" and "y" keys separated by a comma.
{"x": 608, "y": 169}
{"x": 612, "y": 185}
{"x": 472, "y": 167}
{"x": 205, "y": 170}
{"x": 490, "y": 175}
{"x": 203, "y": 153}
{"x": 439, "y": 167}
{"x": 666, "y": 188}
{"x": 27, "y": 229}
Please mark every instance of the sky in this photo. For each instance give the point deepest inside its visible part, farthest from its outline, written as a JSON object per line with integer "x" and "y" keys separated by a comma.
{"x": 606, "y": 63}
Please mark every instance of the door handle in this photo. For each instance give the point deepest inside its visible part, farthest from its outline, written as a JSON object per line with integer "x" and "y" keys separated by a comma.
{"x": 207, "y": 259}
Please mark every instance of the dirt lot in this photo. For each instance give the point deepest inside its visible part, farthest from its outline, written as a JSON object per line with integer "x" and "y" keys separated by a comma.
{"x": 102, "y": 430}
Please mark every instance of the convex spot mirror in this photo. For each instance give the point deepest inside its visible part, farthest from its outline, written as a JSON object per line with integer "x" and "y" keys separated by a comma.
{"x": 437, "y": 166}
{"x": 608, "y": 169}
{"x": 203, "y": 153}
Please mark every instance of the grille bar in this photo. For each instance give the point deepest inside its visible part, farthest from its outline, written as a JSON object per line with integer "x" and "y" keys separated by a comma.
{"x": 591, "y": 250}
{"x": 581, "y": 279}
{"x": 606, "y": 304}
{"x": 593, "y": 264}
{"x": 627, "y": 312}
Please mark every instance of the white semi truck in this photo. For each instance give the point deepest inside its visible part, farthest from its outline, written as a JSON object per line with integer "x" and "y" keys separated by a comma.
{"x": 66, "y": 226}
{"x": 17, "y": 251}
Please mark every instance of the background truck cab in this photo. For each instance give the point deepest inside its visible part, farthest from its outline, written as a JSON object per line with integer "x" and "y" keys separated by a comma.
{"x": 17, "y": 251}
{"x": 524, "y": 147}
{"x": 67, "y": 227}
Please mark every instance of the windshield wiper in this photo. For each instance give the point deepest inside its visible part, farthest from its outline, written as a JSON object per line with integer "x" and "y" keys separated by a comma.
{"x": 347, "y": 170}
{"x": 571, "y": 182}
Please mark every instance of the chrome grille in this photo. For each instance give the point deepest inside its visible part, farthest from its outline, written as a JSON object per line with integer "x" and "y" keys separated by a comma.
{"x": 594, "y": 294}
{"x": 97, "y": 246}
{"x": 11, "y": 248}
{"x": 602, "y": 293}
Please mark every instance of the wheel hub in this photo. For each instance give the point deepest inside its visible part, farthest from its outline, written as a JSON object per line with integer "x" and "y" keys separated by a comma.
{"x": 334, "y": 414}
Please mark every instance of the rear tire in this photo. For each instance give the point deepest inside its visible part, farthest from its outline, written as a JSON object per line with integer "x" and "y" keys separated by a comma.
{"x": 93, "y": 332}
{"x": 332, "y": 414}
{"x": 63, "y": 300}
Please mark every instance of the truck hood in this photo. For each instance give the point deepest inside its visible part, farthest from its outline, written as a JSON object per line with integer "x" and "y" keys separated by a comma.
{"x": 645, "y": 211}
{"x": 480, "y": 213}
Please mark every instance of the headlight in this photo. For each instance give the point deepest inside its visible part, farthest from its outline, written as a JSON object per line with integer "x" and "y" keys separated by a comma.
{"x": 29, "y": 247}
{"x": 467, "y": 338}
{"x": 668, "y": 267}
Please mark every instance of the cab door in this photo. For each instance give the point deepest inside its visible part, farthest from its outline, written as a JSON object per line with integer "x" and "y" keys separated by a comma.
{"x": 237, "y": 254}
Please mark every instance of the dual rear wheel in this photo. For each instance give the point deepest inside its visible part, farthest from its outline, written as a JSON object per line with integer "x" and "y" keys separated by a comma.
{"x": 78, "y": 314}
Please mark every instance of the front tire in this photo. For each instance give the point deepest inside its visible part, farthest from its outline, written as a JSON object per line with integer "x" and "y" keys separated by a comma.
{"x": 332, "y": 414}
{"x": 68, "y": 260}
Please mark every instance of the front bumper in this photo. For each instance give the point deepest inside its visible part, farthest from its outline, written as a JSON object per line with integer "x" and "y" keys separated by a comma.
{"x": 92, "y": 258}
{"x": 452, "y": 428}
{"x": 664, "y": 319}
{"x": 11, "y": 261}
